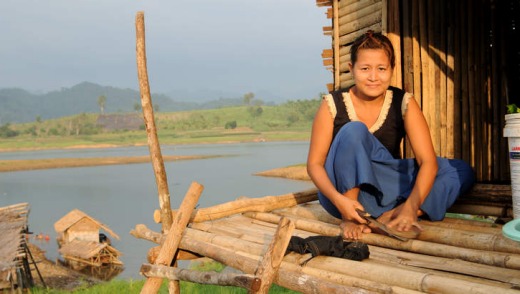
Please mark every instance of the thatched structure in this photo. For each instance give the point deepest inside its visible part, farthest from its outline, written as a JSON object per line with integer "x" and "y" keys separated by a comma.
{"x": 13, "y": 257}
{"x": 79, "y": 240}
{"x": 90, "y": 253}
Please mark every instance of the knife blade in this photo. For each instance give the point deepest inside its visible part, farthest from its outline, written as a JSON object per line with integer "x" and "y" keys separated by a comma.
{"x": 371, "y": 220}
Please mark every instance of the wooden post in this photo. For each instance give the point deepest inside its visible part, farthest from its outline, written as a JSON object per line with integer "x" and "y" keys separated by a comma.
{"x": 173, "y": 238}
{"x": 272, "y": 260}
{"x": 149, "y": 121}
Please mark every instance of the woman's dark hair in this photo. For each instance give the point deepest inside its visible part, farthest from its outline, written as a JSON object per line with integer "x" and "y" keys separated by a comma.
{"x": 372, "y": 40}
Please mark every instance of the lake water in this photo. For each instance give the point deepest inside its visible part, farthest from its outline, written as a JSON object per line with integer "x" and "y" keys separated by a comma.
{"x": 121, "y": 196}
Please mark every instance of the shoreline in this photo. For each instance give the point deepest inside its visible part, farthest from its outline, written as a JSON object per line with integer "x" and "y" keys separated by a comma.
{"x": 51, "y": 163}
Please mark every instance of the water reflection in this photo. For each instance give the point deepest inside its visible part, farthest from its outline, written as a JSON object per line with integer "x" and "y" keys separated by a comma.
{"x": 103, "y": 273}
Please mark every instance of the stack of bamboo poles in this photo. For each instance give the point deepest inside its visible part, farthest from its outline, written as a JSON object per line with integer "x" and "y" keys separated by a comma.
{"x": 452, "y": 256}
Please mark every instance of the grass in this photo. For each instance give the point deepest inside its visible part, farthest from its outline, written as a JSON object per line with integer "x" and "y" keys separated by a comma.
{"x": 288, "y": 122}
{"x": 134, "y": 286}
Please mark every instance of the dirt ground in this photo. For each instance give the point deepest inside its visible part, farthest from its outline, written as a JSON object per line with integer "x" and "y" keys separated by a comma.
{"x": 56, "y": 276}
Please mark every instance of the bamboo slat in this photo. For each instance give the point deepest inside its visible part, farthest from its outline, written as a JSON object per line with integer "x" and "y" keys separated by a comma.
{"x": 360, "y": 22}
{"x": 349, "y": 38}
{"x": 349, "y": 16}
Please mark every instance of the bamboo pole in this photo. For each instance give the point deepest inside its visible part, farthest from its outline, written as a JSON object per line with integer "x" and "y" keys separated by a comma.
{"x": 171, "y": 242}
{"x": 244, "y": 204}
{"x": 149, "y": 121}
{"x": 500, "y": 259}
{"x": 271, "y": 262}
{"x": 472, "y": 269}
{"x": 249, "y": 282}
{"x": 290, "y": 275}
{"x": 405, "y": 278}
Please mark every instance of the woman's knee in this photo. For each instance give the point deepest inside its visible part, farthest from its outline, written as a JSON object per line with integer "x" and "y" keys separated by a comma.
{"x": 353, "y": 132}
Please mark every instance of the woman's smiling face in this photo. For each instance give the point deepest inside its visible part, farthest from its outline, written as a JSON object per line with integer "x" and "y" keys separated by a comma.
{"x": 372, "y": 72}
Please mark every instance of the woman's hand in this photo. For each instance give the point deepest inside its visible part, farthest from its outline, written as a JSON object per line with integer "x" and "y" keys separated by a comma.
{"x": 353, "y": 225}
{"x": 403, "y": 218}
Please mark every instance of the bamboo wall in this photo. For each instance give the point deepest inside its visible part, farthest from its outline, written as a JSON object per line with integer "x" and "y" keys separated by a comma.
{"x": 451, "y": 56}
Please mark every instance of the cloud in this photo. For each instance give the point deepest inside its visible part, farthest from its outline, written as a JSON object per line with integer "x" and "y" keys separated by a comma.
{"x": 229, "y": 45}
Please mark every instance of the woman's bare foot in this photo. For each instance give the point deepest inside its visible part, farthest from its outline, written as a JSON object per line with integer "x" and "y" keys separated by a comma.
{"x": 412, "y": 233}
{"x": 352, "y": 230}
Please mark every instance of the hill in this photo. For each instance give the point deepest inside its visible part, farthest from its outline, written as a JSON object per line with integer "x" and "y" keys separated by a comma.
{"x": 19, "y": 106}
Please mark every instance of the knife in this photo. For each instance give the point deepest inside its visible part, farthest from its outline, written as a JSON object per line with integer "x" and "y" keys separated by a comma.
{"x": 371, "y": 220}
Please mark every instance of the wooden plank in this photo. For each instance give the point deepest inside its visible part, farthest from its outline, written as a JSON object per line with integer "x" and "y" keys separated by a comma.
{"x": 441, "y": 26}
{"x": 336, "y": 44}
{"x": 393, "y": 33}
{"x": 433, "y": 79}
{"x": 451, "y": 104}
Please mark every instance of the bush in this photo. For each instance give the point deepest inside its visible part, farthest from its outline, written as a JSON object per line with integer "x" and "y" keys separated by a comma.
{"x": 231, "y": 125}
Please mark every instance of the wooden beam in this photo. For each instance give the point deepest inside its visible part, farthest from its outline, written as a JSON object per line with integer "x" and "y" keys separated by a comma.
{"x": 149, "y": 121}
{"x": 275, "y": 253}
{"x": 249, "y": 282}
{"x": 171, "y": 243}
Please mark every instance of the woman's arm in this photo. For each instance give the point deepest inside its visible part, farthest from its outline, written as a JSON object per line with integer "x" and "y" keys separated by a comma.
{"x": 420, "y": 140}
{"x": 321, "y": 138}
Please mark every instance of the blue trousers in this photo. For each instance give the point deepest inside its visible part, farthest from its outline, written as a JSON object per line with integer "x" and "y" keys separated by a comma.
{"x": 357, "y": 159}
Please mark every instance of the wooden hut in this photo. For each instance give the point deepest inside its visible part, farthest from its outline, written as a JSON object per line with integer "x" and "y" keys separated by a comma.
{"x": 14, "y": 270}
{"x": 455, "y": 56}
{"x": 81, "y": 241}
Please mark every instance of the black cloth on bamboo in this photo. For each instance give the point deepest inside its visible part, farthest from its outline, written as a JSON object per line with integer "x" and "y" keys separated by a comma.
{"x": 328, "y": 246}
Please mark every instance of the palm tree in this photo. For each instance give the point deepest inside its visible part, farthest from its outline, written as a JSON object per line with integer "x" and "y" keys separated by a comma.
{"x": 101, "y": 101}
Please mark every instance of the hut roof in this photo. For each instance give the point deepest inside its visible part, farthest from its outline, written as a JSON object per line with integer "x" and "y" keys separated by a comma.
{"x": 75, "y": 216}
{"x": 13, "y": 221}
{"x": 86, "y": 249}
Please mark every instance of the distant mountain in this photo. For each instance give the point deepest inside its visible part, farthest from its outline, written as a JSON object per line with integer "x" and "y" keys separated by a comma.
{"x": 18, "y": 105}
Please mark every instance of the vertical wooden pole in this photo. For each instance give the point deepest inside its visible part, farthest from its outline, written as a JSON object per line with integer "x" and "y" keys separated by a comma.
{"x": 151, "y": 131}
{"x": 149, "y": 121}
{"x": 273, "y": 259}
{"x": 173, "y": 238}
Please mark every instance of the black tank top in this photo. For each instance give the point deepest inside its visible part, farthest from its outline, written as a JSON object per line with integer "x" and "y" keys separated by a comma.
{"x": 392, "y": 131}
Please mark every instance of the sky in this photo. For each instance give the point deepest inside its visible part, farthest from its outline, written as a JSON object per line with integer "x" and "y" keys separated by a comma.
{"x": 232, "y": 46}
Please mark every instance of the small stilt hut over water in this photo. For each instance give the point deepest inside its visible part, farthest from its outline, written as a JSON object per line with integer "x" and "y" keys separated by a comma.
{"x": 14, "y": 265}
{"x": 81, "y": 242}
